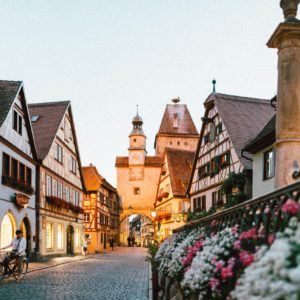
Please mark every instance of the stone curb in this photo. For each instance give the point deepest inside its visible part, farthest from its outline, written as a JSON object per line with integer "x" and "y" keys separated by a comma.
{"x": 58, "y": 264}
{"x": 150, "y": 283}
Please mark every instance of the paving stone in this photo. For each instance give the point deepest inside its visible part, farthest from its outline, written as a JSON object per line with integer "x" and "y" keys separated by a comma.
{"x": 119, "y": 275}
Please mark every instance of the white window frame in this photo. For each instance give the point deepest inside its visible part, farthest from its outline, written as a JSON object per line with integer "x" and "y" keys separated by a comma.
{"x": 48, "y": 186}
{"x": 54, "y": 187}
{"x": 59, "y": 190}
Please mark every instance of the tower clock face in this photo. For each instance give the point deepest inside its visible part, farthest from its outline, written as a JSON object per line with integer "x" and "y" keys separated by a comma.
{"x": 136, "y": 158}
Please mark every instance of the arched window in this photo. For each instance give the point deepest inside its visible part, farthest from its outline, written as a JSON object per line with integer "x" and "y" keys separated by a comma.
{"x": 7, "y": 230}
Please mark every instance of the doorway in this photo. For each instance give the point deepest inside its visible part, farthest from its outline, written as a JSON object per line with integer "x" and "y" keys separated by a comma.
{"x": 26, "y": 228}
{"x": 70, "y": 240}
{"x": 104, "y": 244}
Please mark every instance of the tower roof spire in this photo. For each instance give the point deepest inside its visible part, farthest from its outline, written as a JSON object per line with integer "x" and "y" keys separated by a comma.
{"x": 137, "y": 123}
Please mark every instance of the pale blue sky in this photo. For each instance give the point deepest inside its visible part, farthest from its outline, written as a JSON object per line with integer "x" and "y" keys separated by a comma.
{"x": 108, "y": 56}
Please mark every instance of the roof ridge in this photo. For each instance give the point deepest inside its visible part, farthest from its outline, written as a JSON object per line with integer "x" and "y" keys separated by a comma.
{"x": 243, "y": 98}
{"x": 178, "y": 150}
{"x": 11, "y": 81}
{"x": 54, "y": 103}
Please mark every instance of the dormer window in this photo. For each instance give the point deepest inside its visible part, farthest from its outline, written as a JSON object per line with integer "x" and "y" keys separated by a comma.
{"x": 59, "y": 153}
{"x": 34, "y": 118}
{"x": 136, "y": 190}
{"x": 175, "y": 121}
{"x": 17, "y": 122}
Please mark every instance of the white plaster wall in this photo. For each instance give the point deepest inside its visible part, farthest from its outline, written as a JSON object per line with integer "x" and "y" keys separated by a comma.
{"x": 261, "y": 186}
{"x": 7, "y": 194}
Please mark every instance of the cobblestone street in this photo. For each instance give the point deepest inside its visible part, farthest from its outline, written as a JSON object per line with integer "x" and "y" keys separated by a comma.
{"x": 121, "y": 274}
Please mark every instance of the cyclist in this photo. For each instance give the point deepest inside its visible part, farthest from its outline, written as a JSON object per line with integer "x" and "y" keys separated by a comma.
{"x": 18, "y": 252}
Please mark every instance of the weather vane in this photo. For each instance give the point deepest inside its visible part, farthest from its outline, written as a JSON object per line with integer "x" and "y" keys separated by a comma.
{"x": 214, "y": 85}
{"x": 137, "y": 109}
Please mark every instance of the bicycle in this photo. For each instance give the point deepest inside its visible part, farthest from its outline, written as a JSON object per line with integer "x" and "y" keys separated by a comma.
{"x": 10, "y": 268}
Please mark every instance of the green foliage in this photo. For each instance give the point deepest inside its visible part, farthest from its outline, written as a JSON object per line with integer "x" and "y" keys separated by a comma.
{"x": 152, "y": 250}
{"x": 234, "y": 199}
{"x": 234, "y": 180}
{"x": 193, "y": 216}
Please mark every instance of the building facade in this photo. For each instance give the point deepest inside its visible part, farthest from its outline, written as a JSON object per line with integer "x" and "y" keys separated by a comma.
{"x": 17, "y": 167}
{"x": 101, "y": 211}
{"x": 171, "y": 203}
{"x": 262, "y": 147}
{"x": 228, "y": 124}
{"x": 60, "y": 181}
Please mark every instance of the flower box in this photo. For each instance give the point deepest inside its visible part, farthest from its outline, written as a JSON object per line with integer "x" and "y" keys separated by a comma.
{"x": 17, "y": 184}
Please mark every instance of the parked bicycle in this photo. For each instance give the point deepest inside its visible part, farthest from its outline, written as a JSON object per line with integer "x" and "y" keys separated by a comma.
{"x": 9, "y": 267}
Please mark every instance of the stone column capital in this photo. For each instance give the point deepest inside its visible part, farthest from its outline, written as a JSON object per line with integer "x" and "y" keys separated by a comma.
{"x": 284, "y": 32}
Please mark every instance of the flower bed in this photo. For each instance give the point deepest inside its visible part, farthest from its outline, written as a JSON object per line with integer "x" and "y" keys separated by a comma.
{"x": 260, "y": 259}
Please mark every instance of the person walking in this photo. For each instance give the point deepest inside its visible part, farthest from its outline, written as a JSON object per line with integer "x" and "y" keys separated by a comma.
{"x": 111, "y": 243}
{"x": 129, "y": 241}
{"x": 85, "y": 246}
{"x": 133, "y": 241}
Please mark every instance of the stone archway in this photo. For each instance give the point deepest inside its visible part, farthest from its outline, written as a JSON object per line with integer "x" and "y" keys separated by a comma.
{"x": 26, "y": 228}
{"x": 7, "y": 229}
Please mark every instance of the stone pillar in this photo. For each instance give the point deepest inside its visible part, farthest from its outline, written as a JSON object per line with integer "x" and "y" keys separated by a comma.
{"x": 286, "y": 39}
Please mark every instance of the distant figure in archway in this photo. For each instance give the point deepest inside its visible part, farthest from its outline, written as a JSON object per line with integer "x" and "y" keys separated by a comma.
{"x": 129, "y": 241}
{"x": 111, "y": 243}
{"x": 133, "y": 241}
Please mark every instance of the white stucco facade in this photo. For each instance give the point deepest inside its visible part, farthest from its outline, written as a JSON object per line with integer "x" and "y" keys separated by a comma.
{"x": 261, "y": 186}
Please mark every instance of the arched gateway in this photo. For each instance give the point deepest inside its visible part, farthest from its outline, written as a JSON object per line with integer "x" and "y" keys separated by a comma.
{"x": 137, "y": 175}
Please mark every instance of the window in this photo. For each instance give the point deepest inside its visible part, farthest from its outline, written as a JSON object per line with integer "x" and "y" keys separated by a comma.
{"x": 54, "y": 188}
{"x": 17, "y": 122}
{"x": 60, "y": 235}
{"x": 86, "y": 217}
{"x": 219, "y": 128}
{"x": 212, "y": 134}
{"x": 204, "y": 171}
{"x": 269, "y": 164}
{"x": 67, "y": 194}
{"x": 49, "y": 236}
{"x": 60, "y": 190}
{"x": 224, "y": 160}
{"x": 175, "y": 121}
{"x": 21, "y": 172}
{"x": 28, "y": 176}
{"x": 136, "y": 191}
{"x": 48, "y": 185}
{"x": 199, "y": 203}
{"x": 59, "y": 153}
{"x": 34, "y": 118}
{"x": 206, "y": 139}
{"x": 6, "y": 165}
{"x": 214, "y": 199}
{"x": 14, "y": 173}
{"x": 134, "y": 140}
{"x": 73, "y": 165}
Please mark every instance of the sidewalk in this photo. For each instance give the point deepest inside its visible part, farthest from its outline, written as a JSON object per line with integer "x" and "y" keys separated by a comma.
{"x": 53, "y": 262}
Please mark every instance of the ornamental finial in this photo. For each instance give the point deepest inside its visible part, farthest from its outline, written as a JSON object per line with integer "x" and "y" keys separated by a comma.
{"x": 290, "y": 8}
{"x": 214, "y": 85}
{"x": 176, "y": 100}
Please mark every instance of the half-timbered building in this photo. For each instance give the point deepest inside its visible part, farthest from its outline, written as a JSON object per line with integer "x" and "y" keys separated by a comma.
{"x": 172, "y": 203}
{"x": 228, "y": 124}
{"x": 17, "y": 166}
{"x": 60, "y": 182}
{"x": 101, "y": 211}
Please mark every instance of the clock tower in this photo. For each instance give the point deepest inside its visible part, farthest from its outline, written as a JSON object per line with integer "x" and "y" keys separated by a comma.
{"x": 137, "y": 147}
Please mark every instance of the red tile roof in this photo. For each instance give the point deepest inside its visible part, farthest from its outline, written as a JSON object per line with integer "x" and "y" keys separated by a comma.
{"x": 186, "y": 124}
{"x": 45, "y": 128}
{"x": 180, "y": 167}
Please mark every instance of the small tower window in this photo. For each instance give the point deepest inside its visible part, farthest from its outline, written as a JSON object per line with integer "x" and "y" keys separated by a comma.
{"x": 134, "y": 140}
{"x": 178, "y": 143}
{"x": 175, "y": 121}
{"x": 136, "y": 190}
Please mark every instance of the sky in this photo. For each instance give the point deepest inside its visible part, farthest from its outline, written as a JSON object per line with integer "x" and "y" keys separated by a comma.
{"x": 108, "y": 56}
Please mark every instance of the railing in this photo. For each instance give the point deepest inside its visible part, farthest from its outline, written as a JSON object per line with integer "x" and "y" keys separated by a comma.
{"x": 264, "y": 210}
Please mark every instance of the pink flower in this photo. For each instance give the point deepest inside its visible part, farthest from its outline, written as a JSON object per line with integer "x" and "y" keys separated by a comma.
{"x": 214, "y": 283}
{"x": 246, "y": 258}
{"x": 237, "y": 245}
{"x": 271, "y": 239}
{"x": 227, "y": 272}
{"x": 234, "y": 229}
{"x": 266, "y": 210}
{"x": 291, "y": 207}
{"x": 219, "y": 265}
{"x": 213, "y": 223}
{"x": 250, "y": 234}
{"x": 231, "y": 262}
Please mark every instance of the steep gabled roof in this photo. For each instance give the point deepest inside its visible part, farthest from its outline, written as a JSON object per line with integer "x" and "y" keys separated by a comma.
{"x": 243, "y": 118}
{"x": 45, "y": 128}
{"x": 180, "y": 167}
{"x": 8, "y": 92}
{"x": 177, "y": 114}
{"x": 264, "y": 139}
{"x": 93, "y": 179}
